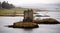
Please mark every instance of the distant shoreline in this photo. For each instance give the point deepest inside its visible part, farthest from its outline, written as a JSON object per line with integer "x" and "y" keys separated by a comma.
{"x": 11, "y": 14}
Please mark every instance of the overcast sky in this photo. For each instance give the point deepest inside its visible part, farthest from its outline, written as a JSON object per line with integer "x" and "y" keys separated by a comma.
{"x": 26, "y": 2}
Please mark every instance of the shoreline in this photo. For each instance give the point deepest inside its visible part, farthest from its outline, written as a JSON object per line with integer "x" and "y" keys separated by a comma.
{"x": 11, "y": 14}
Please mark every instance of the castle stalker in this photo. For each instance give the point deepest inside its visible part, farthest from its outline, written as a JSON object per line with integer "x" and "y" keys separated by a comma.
{"x": 28, "y": 15}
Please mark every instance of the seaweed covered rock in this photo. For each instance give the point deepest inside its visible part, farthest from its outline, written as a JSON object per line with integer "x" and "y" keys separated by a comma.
{"x": 46, "y": 21}
{"x": 25, "y": 25}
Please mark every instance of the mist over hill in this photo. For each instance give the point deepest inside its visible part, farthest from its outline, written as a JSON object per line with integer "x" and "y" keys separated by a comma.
{"x": 53, "y": 7}
{"x": 42, "y": 6}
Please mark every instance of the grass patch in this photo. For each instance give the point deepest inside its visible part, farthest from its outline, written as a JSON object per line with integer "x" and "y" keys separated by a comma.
{"x": 13, "y": 10}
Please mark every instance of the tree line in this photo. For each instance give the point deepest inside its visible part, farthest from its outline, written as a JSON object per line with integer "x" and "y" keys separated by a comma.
{"x": 6, "y": 5}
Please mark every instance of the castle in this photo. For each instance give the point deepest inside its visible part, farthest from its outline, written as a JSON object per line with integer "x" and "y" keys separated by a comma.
{"x": 28, "y": 16}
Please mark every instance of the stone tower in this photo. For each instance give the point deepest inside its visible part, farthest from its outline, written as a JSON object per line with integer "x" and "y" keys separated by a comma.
{"x": 28, "y": 15}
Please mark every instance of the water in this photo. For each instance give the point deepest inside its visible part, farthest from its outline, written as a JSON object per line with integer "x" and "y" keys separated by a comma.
{"x": 43, "y": 28}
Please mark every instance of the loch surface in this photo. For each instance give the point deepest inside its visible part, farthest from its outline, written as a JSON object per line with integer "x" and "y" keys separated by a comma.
{"x": 43, "y": 28}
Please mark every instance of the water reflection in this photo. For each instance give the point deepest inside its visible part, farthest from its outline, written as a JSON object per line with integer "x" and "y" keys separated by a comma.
{"x": 27, "y": 30}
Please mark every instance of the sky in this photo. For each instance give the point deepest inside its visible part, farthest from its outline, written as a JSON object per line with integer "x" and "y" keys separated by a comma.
{"x": 29, "y": 2}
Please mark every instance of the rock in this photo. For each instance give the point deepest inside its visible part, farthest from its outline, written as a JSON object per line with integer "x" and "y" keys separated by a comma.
{"x": 46, "y": 21}
{"x": 25, "y": 25}
{"x": 42, "y": 16}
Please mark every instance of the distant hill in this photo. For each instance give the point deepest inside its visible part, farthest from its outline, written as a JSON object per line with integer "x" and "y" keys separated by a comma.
{"x": 44, "y": 6}
{"x": 50, "y": 7}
